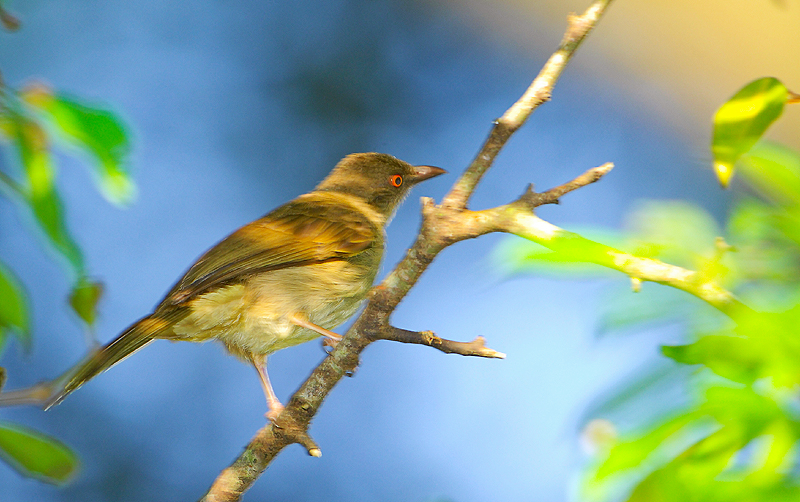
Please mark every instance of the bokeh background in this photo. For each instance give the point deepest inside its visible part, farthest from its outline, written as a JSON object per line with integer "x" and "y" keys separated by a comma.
{"x": 237, "y": 107}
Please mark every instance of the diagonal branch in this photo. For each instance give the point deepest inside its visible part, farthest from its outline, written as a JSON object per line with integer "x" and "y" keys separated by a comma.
{"x": 442, "y": 226}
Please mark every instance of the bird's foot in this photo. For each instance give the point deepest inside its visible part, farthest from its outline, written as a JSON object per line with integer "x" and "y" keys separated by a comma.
{"x": 329, "y": 343}
{"x": 275, "y": 409}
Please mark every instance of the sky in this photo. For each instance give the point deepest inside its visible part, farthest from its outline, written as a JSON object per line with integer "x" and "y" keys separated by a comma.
{"x": 701, "y": 53}
{"x": 235, "y": 108}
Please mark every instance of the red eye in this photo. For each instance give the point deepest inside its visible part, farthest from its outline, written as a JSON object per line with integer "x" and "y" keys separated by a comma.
{"x": 396, "y": 180}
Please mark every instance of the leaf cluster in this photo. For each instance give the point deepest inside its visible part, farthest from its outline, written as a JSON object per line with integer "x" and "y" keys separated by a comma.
{"x": 33, "y": 120}
{"x": 737, "y": 438}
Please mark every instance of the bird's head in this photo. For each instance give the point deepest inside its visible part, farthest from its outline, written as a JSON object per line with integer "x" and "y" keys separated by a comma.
{"x": 379, "y": 179}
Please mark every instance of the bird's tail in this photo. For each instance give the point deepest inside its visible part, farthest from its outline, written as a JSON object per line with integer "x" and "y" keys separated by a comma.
{"x": 48, "y": 394}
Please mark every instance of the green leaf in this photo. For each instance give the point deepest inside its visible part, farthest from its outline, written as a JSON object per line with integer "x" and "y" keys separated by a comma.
{"x": 774, "y": 171}
{"x": 765, "y": 268}
{"x": 678, "y": 232}
{"x": 14, "y": 309}
{"x": 742, "y": 120}
{"x": 779, "y": 439}
{"x": 628, "y": 455}
{"x": 96, "y": 130}
{"x": 625, "y": 312}
{"x": 736, "y": 358}
{"x": 691, "y": 475}
{"x": 661, "y": 486}
{"x": 37, "y": 455}
{"x": 40, "y": 192}
{"x": 765, "y": 346}
{"x": 84, "y": 297}
{"x": 775, "y": 342}
{"x": 741, "y": 407}
{"x": 642, "y": 395}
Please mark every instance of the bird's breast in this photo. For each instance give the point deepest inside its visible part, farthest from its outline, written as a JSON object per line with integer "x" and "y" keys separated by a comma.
{"x": 252, "y": 317}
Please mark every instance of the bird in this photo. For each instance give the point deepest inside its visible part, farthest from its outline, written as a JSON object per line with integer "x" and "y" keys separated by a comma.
{"x": 286, "y": 278}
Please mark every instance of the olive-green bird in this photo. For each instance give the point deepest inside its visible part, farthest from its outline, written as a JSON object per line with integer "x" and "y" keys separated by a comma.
{"x": 282, "y": 280}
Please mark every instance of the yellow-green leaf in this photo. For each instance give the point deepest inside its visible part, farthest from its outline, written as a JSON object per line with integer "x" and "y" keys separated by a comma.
{"x": 774, "y": 171}
{"x": 691, "y": 474}
{"x": 631, "y": 454}
{"x": 84, "y": 297}
{"x": 37, "y": 455}
{"x": 94, "y": 129}
{"x": 742, "y": 408}
{"x": 677, "y": 232}
{"x": 732, "y": 357}
{"x": 742, "y": 120}
{"x": 40, "y": 191}
{"x": 14, "y": 311}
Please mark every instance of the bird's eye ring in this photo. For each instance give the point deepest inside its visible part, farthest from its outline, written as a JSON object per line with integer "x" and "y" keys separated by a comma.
{"x": 396, "y": 180}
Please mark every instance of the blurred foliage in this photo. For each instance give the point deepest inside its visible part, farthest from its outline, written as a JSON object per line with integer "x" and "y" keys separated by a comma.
{"x": 98, "y": 132}
{"x": 31, "y": 120}
{"x": 736, "y": 436}
{"x": 8, "y": 20}
{"x": 14, "y": 310}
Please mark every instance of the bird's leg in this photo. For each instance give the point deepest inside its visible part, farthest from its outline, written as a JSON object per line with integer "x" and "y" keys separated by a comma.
{"x": 331, "y": 338}
{"x": 274, "y": 405}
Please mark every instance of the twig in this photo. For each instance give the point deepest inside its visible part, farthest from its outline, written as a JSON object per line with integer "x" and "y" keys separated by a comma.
{"x": 551, "y": 196}
{"x": 476, "y": 347}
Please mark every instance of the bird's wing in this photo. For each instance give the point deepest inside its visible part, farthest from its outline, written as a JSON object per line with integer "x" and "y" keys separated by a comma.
{"x": 298, "y": 233}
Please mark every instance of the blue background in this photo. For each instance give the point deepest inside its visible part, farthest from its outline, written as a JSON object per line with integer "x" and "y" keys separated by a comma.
{"x": 238, "y": 107}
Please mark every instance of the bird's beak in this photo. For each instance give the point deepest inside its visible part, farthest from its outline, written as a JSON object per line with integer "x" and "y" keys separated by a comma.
{"x": 423, "y": 173}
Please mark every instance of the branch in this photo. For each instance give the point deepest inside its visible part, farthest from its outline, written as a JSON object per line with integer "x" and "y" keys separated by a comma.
{"x": 538, "y": 92}
{"x": 442, "y": 226}
{"x": 580, "y": 249}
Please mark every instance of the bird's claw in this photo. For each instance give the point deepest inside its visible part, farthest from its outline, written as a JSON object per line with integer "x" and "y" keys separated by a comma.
{"x": 328, "y": 342}
{"x": 274, "y": 411}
